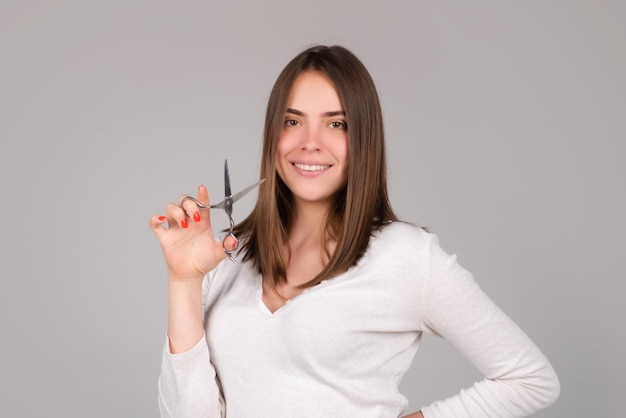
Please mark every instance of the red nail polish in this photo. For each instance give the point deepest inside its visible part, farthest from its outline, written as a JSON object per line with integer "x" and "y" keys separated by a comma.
{"x": 196, "y": 217}
{"x": 161, "y": 218}
{"x": 183, "y": 223}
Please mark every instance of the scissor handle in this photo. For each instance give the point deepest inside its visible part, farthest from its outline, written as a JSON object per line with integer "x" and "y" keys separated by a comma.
{"x": 231, "y": 233}
{"x": 228, "y": 252}
{"x": 196, "y": 201}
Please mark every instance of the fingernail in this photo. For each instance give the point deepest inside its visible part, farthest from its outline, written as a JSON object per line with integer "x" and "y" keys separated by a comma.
{"x": 196, "y": 217}
{"x": 183, "y": 223}
{"x": 161, "y": 218}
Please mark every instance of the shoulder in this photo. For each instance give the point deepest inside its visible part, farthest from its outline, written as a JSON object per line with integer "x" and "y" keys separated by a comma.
{"x": 409, "y": 246}
{"x": 402, "y": 238}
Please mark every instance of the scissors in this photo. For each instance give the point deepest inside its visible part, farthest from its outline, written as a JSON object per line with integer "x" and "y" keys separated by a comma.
{"x": 227, "y": 205}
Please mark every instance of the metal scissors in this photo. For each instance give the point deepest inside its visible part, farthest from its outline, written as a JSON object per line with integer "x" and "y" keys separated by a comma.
{"x": 227, "y": 205}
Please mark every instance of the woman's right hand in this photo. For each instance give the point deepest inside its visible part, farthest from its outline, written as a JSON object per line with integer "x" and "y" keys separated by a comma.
{"x": 188, "y": 245}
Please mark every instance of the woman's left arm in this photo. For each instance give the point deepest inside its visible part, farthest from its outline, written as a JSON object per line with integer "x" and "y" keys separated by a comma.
{"x": 519, "y": 380}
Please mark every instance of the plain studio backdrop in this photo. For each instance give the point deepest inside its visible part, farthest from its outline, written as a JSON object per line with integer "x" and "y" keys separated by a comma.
{"x": 505, "y": 124}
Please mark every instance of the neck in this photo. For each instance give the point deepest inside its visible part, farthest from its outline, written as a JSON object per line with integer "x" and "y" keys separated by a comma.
{"x": 307, "y": 249}
{"x": 309, "y": 222}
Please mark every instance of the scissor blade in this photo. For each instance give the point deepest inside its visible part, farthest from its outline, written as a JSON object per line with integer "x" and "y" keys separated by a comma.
{"x": 237, "y": 196}
{"x": 245, "y": 191}
{"x": 227, "y": 192}
{"x": 220, "y": 205}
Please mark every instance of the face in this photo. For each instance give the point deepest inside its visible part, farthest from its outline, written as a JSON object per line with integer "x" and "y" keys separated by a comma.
{"x": 313, "y": 145}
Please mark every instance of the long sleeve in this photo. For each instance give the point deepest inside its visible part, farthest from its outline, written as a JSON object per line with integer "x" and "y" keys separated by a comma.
{"x": 187, "y": 385}
{"x": 519, "y": 380}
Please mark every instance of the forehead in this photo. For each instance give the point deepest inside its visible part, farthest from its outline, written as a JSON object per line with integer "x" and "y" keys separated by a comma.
{"x": 311, "y": 90}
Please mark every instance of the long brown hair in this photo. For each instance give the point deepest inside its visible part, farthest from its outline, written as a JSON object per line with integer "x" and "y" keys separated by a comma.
{"x": 361, "y": 208}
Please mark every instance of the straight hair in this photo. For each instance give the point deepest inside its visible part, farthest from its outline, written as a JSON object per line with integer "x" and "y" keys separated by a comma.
{"x": 360, "y": 208}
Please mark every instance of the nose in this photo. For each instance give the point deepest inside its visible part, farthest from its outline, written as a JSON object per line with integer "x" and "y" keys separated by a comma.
{"x": 311, "y": 140}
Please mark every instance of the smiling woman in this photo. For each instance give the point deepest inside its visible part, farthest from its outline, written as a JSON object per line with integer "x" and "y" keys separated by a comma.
{"x": 324, "y": 310}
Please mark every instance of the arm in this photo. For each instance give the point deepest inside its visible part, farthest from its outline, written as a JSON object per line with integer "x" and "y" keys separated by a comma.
{"x": 187, "y": 385}
{"x": 519, "y": 380}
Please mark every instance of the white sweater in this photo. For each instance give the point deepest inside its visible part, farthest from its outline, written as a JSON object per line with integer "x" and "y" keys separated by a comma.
{"x": 341, "y": 348}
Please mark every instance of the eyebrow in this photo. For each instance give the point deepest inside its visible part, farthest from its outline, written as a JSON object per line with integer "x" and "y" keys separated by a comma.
{"x": 325, "y": 114}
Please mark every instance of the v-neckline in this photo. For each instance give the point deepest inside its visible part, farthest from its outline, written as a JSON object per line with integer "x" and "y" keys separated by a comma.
{"x": 258, "y": 293}
{"x": 261, "y": 303}
{"x": 266, "y": 310}
{"x": 350, "y": 272}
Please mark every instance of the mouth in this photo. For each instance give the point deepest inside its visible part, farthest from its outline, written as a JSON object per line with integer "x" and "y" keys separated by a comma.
{"x": 311, "y": 167}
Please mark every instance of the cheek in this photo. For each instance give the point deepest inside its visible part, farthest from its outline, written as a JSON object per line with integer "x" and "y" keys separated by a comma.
{"x": 283, "y": 146}
{"x": 281, "y": 152}
{"x": 342, "y": 152}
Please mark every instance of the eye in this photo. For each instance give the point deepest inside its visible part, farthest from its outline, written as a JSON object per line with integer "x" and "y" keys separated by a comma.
{"x": 338, "y": 124}
{"x": 291, "y": 122}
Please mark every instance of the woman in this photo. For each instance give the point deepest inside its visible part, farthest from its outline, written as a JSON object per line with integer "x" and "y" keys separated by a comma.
{"x": 324, "y": 312}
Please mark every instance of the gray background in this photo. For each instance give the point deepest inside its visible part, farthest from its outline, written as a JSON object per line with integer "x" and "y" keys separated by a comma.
{"x": 505, "y": 125}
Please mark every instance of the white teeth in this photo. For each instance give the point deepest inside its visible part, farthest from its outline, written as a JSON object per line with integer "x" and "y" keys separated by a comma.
{"x": 311, "y": 167}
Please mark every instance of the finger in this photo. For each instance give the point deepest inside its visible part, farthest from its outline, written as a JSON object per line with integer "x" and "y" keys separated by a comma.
{"x": 190, "y": 207}
{"x": 176, "y": 216}
{"x": 203, "y": 198}
{"x": 196, "y": 208}
{"x": 230, "y": 243}
{"x": 156, "y": 224}
{"x": 203, "y": 195}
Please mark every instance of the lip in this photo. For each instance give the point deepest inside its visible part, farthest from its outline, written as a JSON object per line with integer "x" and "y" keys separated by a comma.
{"x": 310, "y": 169}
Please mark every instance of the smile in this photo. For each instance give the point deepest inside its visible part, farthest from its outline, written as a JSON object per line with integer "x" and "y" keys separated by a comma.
{"x": 315, "y": 167}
